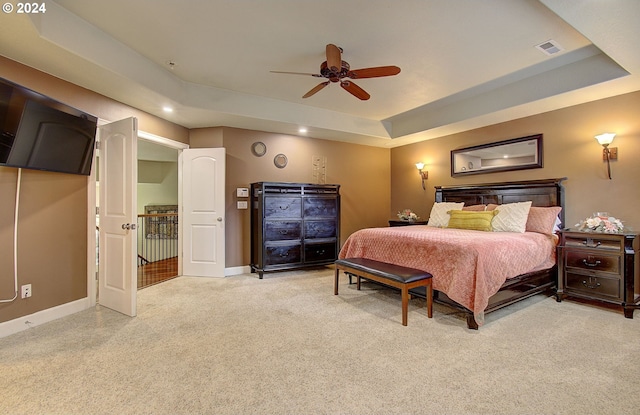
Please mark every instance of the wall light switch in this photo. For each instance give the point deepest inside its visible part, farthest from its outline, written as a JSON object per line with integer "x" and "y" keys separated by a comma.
{"x": 242, "y": 204}
{"x": 242, "y": 192}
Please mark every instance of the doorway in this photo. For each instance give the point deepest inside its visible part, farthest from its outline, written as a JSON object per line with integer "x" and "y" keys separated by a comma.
{"x": 201, "y": 191}
{"x": 157, "y": 196}
{"x": 157, "y": 183}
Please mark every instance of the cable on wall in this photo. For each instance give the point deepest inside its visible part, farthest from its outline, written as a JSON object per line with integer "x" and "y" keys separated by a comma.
{"x": 15, "y": 240}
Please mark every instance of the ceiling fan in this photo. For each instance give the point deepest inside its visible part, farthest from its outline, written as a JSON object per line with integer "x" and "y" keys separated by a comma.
{"x": 336, "y": 70}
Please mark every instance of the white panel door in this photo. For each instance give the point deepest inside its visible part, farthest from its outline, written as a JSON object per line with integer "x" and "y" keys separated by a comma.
{"x": 203, "y": 203}
{"x": 117, "y": 275}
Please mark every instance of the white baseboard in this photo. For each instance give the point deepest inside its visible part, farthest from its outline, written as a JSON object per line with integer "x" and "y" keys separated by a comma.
{"x": 26, "y": 322}
{"x": 245, "y": 269}
{"x": 23, "y": 323}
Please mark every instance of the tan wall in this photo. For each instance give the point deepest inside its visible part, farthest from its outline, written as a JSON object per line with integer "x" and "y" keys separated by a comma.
{"x": 570, "y": 150}
{"x": 362, "y": 172}
{"x": 52, "y": 228}
{"x": 52, "y": 240}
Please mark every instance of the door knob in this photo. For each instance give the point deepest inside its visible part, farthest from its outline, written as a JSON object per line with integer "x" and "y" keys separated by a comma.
{"x": 220, "y": 219}
{"x": 128, "y": 226}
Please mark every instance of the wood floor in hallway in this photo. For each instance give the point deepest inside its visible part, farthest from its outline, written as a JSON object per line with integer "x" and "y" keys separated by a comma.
{"x": 157, "y": 272}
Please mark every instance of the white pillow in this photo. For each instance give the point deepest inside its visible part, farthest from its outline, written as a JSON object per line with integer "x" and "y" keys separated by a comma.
{"x": 511, "y": 217}
{"x": 439, "y": 216}
{"x": 557, "y": 226}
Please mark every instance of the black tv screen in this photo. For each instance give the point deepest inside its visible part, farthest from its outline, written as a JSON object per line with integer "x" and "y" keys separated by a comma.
{"x": 43, "y": 134}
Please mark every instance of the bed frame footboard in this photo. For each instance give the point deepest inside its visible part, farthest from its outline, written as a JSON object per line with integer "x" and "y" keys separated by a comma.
{"x": 512, "y": 291}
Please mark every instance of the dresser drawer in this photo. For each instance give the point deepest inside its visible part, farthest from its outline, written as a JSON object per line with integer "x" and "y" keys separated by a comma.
{"x": 595, "y": 261}
{"x": 283, "y": 254}
{"x": 314, "y": 229}
{"x": 320, "y": 252}
{"x": 320, "y": 206}
{"x": 282, "y": 207}
{"x": 594, "y": 286}
{"x": 593, "y": 242}
{"x": 279, "y": 230}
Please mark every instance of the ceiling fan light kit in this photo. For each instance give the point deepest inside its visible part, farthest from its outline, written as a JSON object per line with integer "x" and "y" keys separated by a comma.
{"x": 336, "y": 70}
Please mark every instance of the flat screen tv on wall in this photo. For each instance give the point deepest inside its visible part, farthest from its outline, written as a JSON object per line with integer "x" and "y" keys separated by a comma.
{"x": 40, "y": 133}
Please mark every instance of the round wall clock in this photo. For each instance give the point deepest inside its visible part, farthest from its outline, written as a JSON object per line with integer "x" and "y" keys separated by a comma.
{"x": 258, "y": 149}
{"x": 280, "y": 161}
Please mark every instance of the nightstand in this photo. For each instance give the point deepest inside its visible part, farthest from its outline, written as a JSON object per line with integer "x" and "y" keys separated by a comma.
{"x": 600, "y": 266}
{"x": 406, "y": 222}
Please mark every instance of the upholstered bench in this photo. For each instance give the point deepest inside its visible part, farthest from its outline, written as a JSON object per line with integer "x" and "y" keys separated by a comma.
{"x": 396, "y": 276}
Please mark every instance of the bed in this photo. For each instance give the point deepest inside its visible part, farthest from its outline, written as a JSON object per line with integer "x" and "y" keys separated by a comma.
{"x": 474, "y": 271}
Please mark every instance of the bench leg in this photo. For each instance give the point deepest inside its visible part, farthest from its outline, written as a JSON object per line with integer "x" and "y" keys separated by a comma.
{"x": 405, "y": 304}
{"x": 429, "y": 290}
{"x": 358, "y": 280}
{"x": 337, "y": 279}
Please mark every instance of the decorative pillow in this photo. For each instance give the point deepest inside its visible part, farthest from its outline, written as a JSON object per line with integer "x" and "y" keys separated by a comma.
{"x": 543, "y": 219}
{"x": 511, "y": 217}
{"x": 558, "y": 226}
{"x": 439, "y": 216}
{"x": 477, "y": 221}
{"x": 475, "y": 208}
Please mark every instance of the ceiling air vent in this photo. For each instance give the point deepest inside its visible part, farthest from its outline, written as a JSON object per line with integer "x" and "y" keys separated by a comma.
{"x": 550, "y": 47}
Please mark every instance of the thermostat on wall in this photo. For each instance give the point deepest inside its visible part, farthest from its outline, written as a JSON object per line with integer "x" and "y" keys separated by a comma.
{"x": 242, "y": 192}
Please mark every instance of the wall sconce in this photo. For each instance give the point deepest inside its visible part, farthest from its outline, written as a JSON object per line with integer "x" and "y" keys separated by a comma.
{"x": 608, "y": 153}
{"x": 424, "y": 175}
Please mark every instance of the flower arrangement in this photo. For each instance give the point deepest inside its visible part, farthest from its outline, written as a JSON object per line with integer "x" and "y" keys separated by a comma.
{"x": 407, "y": 214}
{"x": 601, "y": 222}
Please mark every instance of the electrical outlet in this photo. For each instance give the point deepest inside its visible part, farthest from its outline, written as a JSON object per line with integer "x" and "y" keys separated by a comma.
{"x": 26, "y": 291}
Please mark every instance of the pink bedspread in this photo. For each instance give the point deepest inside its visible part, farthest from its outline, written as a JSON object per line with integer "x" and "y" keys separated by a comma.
{"x": 468, "y": 266}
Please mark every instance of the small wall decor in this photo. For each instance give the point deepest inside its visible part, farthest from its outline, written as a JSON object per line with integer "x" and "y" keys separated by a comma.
{"x": 280, "y": 160}
{"x": 258, "y": 149}
{"x": 514, "y": 154}
{"x": 319, "y": 169}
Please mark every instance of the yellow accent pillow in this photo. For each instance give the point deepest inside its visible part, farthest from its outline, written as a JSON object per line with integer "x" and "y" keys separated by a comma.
{"x": 478, "y": 221}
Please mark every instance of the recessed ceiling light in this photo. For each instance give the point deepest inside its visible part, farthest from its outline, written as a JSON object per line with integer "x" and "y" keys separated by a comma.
{"x": 167, "y": 109}
{"x": 302, "y": 130}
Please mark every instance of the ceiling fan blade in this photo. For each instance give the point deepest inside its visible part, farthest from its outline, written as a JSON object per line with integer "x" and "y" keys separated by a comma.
{"x": 317, "y": 75}
{"x": 373, "y": 72}
{"x": 355, "y": 90}
{"x": 334, "y": 58}
{"x": 316, "y": 89}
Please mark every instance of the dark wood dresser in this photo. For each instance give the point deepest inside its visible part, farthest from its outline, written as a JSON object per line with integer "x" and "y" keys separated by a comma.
{"x": 294, "y": 225}
{"x": 600, "y": 266}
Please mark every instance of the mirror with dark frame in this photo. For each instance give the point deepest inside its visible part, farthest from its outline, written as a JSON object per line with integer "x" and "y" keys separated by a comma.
{"x": 514, "y": 154}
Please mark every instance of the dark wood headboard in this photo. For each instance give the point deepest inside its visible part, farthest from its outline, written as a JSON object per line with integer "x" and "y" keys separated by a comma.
{"x": 543, "y": 193}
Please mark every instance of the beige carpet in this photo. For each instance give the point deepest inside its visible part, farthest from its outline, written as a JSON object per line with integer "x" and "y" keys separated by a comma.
{"x": 287, "y": 345}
